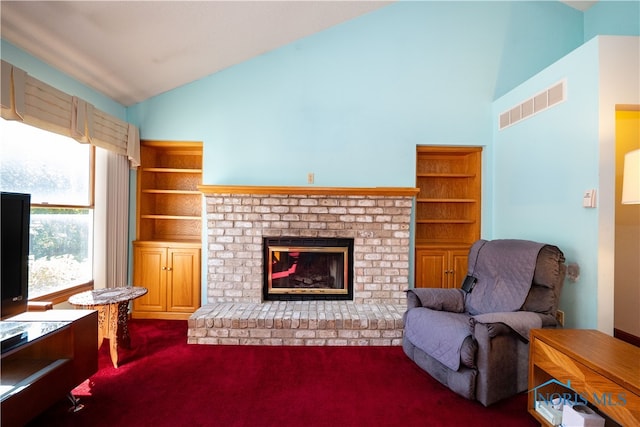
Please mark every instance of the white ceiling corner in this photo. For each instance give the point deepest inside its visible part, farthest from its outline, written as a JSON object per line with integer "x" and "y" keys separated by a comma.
{"x": 133, "y": 50}
{"x": 580, "y": 4}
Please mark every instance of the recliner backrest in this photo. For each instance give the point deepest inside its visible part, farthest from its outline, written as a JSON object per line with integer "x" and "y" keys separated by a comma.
{"x": 503, "y": 270}
{"x": 548, "y": 279}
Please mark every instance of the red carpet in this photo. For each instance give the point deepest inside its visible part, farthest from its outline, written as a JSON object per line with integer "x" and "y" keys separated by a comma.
{"x": 162, "y": 381}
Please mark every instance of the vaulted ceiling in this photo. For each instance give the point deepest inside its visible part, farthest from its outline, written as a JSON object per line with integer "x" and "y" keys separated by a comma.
{"x": 133, "y": 50}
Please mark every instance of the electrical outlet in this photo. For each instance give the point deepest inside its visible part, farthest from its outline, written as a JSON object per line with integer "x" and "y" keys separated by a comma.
{"x": 560, "y": 317}
{"x": 310, "y": 178}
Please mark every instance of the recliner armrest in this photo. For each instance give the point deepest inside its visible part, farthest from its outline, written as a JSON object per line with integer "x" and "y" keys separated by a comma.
{"x": 440, "y": 299}
{"x": 493, "y": 329}
{"x": 519, "y": 322}
{"x": 501, "y": 360}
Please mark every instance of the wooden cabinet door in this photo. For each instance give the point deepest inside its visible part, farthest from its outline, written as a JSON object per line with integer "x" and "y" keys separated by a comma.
{"x": 431, "y": 265}
{"x": 183, "y": 287}
{"x": 458, "y": 267}
{"x": 440, "y": 268}
{"x": 150, "y": 272}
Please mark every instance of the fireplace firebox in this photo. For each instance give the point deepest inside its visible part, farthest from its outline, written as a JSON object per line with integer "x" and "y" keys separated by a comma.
{"x": 308, "y": 269}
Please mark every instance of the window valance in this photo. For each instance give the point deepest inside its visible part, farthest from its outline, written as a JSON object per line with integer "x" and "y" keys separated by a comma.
{"x": 33, "y": 102}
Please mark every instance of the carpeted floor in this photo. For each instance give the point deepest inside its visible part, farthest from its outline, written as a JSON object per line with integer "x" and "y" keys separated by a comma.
{"x": 162, "y": 381}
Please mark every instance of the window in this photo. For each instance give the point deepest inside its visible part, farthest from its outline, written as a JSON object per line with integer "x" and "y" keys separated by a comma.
{"x": 58, "y": 173}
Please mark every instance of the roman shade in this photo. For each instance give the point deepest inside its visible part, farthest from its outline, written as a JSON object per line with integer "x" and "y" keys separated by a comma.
{"x": 31, "y": 101}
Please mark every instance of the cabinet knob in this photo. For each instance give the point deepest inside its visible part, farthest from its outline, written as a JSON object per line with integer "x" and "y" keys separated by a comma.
{"x": 164, "y": 268}
{"x": 169, "y": 268}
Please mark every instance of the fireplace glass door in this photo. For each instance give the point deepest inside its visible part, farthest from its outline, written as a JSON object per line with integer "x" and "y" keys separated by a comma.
{"x": 313, "y": 270}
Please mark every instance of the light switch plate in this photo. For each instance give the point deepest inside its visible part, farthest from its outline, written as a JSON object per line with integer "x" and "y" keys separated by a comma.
{"x": 589, "y": 199}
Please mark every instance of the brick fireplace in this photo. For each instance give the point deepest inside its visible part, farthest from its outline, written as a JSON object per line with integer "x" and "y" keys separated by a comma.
{"x": 239, "y": 218}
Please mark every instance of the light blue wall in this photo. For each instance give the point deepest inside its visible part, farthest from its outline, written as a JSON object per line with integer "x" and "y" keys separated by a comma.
{"x": 616, "y": 18}
{"x": 546, "y": 162}
{"x": 59, "y": 80}
{"x": 351, "y": 103}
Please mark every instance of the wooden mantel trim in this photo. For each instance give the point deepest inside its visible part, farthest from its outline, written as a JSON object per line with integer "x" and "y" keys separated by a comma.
{"x": 309, "y": 191}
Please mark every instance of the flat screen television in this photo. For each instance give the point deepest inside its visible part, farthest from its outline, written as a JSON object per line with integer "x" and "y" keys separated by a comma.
{"x": 14, "y": 252}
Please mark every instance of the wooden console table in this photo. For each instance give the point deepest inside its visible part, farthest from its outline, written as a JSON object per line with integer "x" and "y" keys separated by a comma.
{"x": 599, "y": 368}
{"x": 54, "y": 351}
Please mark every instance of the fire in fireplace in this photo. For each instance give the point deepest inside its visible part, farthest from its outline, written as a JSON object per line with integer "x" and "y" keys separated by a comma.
{"x": 308, "y": 268}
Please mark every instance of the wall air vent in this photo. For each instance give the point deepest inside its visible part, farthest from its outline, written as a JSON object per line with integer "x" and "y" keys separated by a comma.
{"x": 534, "y": 105}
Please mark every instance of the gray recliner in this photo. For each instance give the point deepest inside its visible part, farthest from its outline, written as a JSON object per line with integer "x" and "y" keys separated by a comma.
{"x": 476, "y": 343}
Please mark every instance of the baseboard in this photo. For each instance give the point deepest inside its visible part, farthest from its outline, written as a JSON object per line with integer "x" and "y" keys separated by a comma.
{"x": 627, "y": 337}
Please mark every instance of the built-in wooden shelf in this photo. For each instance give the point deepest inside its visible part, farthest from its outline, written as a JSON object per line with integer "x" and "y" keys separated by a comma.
{"x": 154, "y": 191}
{"x": 310, "y": 191}
{"x": 172, "y": 170}
{"x": 445, "y": 175}
{"x": 172, "y": 217}
{"x": 447, "y": 213}
{"x": 169, "y": 202}
{"x": 422, "y": 200}
{"x": 444, "y": 221}
{"x": 167, "y": 251}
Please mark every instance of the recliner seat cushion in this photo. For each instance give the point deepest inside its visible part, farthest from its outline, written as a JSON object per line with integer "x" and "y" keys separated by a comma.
{"x": 447, "y": 341}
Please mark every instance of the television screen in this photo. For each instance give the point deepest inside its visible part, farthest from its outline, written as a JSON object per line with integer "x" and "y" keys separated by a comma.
{"x": 14, "y": 252}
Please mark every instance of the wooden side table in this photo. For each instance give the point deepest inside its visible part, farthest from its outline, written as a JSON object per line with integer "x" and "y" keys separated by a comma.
{"x": 589, "y": 364}
{"x": 112, "y": 306}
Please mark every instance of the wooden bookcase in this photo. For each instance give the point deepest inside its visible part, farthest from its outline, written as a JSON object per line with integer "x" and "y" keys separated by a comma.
{"x": 169, "y": 202}
{"x": 169, "y": 229}
{"x": 447, "y": 213}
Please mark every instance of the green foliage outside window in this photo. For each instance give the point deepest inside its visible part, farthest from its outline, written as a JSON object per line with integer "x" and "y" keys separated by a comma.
{"x": 59, "y": 251}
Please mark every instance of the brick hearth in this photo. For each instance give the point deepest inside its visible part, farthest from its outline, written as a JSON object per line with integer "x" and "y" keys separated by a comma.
{"x": 297, "y": 323}
{"x": 237, "y": 220}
